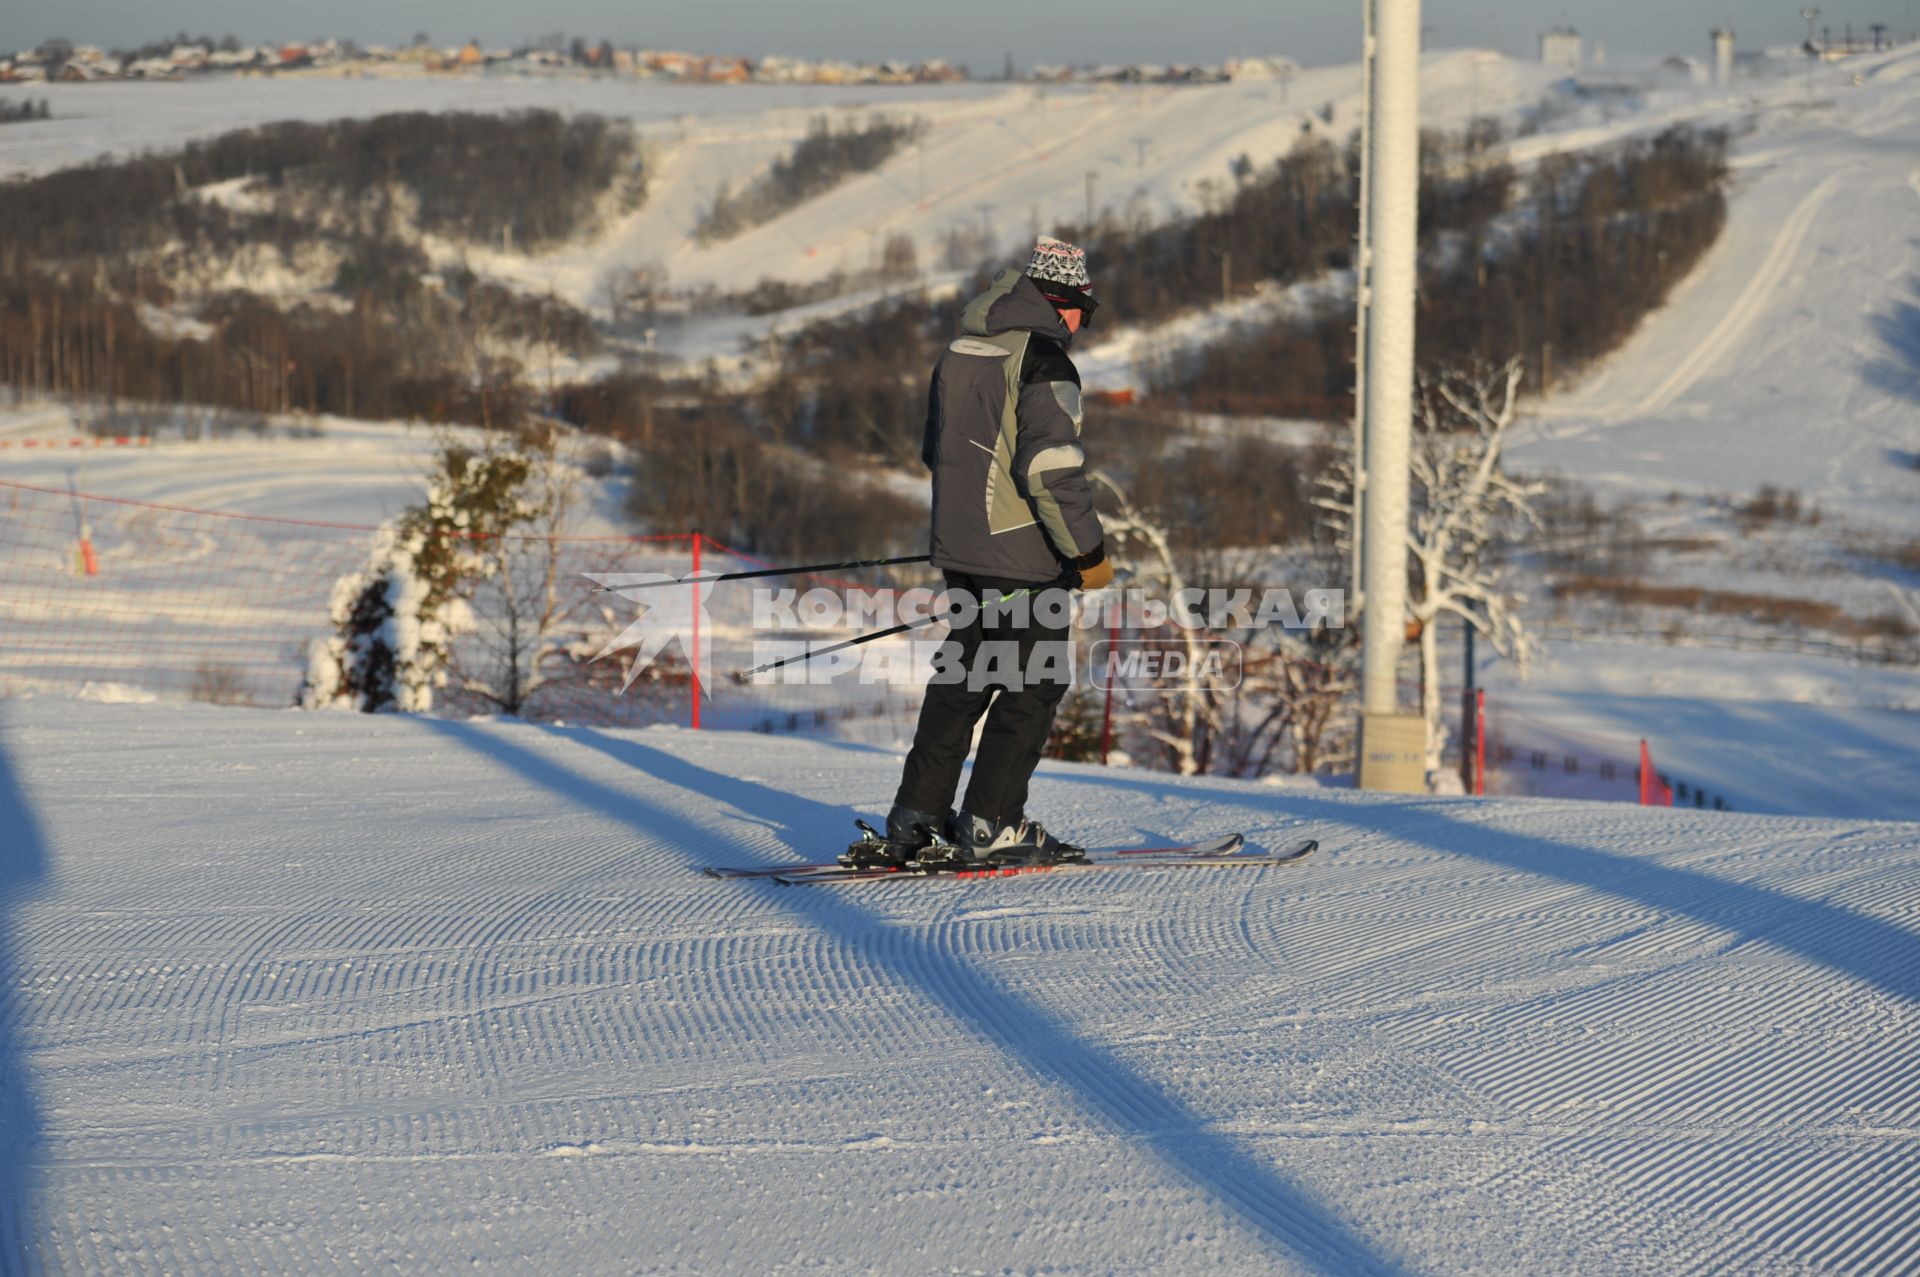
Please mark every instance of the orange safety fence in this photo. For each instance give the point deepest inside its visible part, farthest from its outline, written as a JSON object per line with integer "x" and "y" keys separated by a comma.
{"x": 1529, "y": 756}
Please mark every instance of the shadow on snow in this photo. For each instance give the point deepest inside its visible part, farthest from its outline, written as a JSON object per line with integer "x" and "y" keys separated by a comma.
{"x": 1876, "y": 953}
{"x": 23, "y": 865}
{"x": 1897, "y": 369}
{"x": 1282, "y": 1213}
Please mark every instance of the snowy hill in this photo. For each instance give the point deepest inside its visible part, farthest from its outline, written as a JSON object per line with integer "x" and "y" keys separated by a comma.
{"x": 1792, "y": 355}
{"x": 314, "y": 992}
{"x": 998, "y": 160}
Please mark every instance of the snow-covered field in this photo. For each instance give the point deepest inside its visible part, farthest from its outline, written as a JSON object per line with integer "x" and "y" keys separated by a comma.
{"x": 431, "y": 995}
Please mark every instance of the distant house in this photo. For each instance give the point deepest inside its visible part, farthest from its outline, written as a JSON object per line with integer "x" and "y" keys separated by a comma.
{"x": 1269, "y": 68}
{"x": 727, "y": 71}
{"x": 188, "y": 56}
{"x": 686, "y": 66}
{"x": 779, "y": 69}
{"x": 1560, "y": 47}
{"x": 470, "y": 55}
{"x": 1679, "y": 67}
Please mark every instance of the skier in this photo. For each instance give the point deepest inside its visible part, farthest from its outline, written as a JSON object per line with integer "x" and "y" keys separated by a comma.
{"x": 1014, "y": 528}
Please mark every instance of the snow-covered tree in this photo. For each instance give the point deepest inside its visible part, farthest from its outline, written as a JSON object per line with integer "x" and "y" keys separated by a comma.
{"x": 519, "y": 601}
{"x": 1464, "y": 506}
{"x": 395, "y": 620}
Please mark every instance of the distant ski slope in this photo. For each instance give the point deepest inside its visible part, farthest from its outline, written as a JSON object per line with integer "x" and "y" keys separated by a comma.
{"x": 1792, "y": 356}
{"x": 311, "y": 992}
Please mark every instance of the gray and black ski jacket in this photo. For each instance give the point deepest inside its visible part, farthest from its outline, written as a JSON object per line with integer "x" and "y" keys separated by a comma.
{"x": 1010, "y": 491}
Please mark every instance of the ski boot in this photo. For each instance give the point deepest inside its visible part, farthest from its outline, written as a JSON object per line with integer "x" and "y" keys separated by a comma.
{"x": 908, "y": 833}
{"x": 982, "y": 841}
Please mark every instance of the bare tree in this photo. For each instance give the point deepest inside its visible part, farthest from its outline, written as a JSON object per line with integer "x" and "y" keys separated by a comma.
{"x": 1465, "y": 506}
{"x": 1183, "y": 720}
{"x": 1293, "y": 681}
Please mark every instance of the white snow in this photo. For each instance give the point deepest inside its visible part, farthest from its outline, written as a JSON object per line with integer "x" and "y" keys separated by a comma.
{"x": 312, "y": 992}
{"x": 296, "y": 992}
{"x": 1791, "y": 356}
{"x": 1009, "y": 161}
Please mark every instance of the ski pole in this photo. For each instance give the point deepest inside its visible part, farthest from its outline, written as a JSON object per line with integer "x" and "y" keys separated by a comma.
{"x": 743, "y": 576}
{"x": 837, "y": 647}
{"x": 877, "y": 634}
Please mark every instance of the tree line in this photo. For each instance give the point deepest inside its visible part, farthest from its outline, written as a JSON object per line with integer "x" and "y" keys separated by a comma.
{"x": 431, "y": 355}
{"x": 824, "y": 158}
{"x": 1291, "y": 221}
{"x": 529, "y": 178}
{"x": 24, "y": 110}
{"x": 1594, "y": 245}
{"x": 856, "y": 384}
{"x": 719, "y": 462}
{"x": 86, "y": 252}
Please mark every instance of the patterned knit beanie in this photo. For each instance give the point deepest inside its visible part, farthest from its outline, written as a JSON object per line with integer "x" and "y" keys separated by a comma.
{"x": 1058, "y": 262}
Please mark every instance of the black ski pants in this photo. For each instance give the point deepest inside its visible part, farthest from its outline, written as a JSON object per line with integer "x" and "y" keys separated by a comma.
{"x": 1019, "y": 710}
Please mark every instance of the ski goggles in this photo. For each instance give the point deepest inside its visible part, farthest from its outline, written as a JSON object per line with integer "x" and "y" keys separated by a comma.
{"x": 1065, "y": 297}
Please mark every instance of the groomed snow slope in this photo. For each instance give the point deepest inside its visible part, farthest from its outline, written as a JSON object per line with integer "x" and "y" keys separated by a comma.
{"x": 318, "y": 992}
{"x": 1791, "y": 355}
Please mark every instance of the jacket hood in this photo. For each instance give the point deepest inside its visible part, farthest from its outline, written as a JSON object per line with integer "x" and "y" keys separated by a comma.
{"x": 1012, "y": 304}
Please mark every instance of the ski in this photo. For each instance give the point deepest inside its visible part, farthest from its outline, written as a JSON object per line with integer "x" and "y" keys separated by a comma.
{"x": 1225, "y": 846}
{"x": 1106, "y": 864}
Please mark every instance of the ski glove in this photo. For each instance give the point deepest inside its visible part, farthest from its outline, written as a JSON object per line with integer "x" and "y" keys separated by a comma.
{"x": 1098, "y": 574}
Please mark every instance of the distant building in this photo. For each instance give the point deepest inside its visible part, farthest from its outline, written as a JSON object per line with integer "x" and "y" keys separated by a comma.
{"x": 1561, "y": 48}
{"x": 1273, "y": 68}
{"x": 1680, "y": 67}
{"x": 777, "y": 68}
{"x": 1722, "y": 55}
